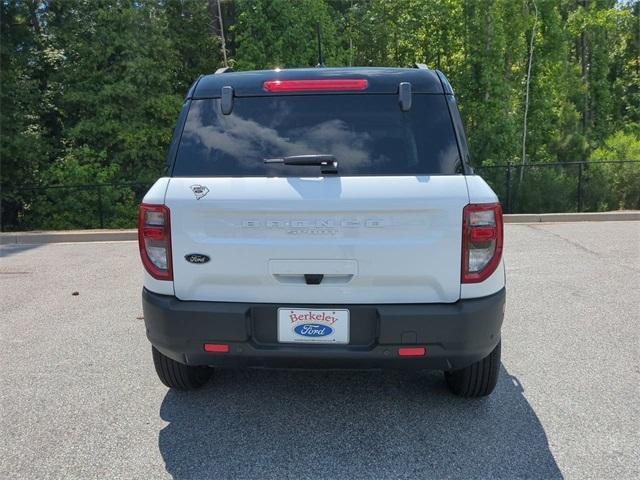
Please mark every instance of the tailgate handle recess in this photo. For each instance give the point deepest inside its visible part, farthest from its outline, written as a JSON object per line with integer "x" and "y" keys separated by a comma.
{"x": 313, "y": 278}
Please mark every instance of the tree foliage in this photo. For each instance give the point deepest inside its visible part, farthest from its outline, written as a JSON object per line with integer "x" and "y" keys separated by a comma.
{"x": 90, "y": 89}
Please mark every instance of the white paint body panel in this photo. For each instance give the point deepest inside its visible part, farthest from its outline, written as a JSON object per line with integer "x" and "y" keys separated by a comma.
{"x": 163, "y": 287}
{"x": 376, "y": 239}
{"x": 157, "y": 191}
{"x": 491, "y": 285}
{"x": 479, "y": 190}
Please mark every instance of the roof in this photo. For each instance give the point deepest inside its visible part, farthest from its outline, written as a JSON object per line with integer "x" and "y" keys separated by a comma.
{"x": 380, "y": 80}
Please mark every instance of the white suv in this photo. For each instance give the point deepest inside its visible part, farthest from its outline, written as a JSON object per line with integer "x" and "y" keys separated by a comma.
{"x": 322, "y": 217}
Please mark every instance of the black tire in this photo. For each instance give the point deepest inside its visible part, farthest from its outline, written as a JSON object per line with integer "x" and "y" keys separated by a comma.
{"x": 178, "y": 375}
{"x": 478, "y": 379}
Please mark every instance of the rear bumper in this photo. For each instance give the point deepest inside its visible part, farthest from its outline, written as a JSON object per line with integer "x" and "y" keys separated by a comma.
{"x": 455, "y": 335}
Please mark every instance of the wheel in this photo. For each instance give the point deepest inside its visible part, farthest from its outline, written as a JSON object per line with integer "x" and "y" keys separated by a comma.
{"x": 478, "y": 379}
{"x": 178, "y": 375}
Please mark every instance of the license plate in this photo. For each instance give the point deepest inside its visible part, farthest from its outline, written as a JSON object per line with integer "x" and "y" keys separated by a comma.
{"x": 296, "y": 325}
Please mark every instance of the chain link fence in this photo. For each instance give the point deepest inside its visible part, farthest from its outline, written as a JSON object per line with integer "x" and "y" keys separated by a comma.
{"x": 579, "y": 186}
{"x": 80, "y": 206}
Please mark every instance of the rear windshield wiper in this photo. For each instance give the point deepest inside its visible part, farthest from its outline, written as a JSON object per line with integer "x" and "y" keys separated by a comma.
{"x": 328, "y": 163}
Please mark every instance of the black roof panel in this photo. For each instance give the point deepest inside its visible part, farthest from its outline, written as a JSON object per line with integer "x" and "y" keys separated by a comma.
{"x": 380, "y": 80}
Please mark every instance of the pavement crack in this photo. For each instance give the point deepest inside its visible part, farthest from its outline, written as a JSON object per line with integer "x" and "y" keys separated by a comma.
{"x": 581, "y": 247}
{"x": 569, "y": 241}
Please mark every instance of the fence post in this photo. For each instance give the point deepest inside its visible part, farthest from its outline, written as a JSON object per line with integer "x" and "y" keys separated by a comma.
{"x": 100, "y": 210}
{"x": 580, "y": 187}
{"x": 508, "y": 205}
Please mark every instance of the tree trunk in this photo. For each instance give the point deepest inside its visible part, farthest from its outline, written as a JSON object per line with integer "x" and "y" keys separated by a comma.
{"x": 584, "y": 65}
{"x": 214, "y": 24}
{"x": 526, "y": 97}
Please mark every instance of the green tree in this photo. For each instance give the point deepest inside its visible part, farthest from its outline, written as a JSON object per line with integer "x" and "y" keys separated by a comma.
{"x": 616, "y": 186}
{"x": 280, "y": 33}
{"x": 194, "y": 34}
{"x": 28, "y": 135}
{"x": 118, "y": 102}
{"x": 90, "y": 89}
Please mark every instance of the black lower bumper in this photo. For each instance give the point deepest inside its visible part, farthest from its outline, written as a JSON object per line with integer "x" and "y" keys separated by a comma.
{"x": 455, "y": 335}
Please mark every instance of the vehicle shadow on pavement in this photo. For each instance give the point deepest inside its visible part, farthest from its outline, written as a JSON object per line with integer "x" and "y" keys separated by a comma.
{"x": 350, "y": 424}
{"x": 14, "y": 249}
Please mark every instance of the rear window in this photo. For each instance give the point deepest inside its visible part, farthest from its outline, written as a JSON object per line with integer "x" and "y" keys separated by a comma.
{"x": 367, "y": 134}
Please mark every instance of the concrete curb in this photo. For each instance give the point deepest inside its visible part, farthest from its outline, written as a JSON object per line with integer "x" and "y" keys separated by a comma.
{"x": 30, "y": 238}
{"x": 626, "y": 215}
{"x": 24, "y": 238}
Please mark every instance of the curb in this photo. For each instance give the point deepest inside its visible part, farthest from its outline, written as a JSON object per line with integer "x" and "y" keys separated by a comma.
{"x": 627, "y": 215}
{"x": 26, "y": 238}
{"x": 31, "y": 238}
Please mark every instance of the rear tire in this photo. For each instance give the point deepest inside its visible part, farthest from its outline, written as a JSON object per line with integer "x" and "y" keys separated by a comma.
{"x": 478, "y": 379}
{"x": 178, "y": 375}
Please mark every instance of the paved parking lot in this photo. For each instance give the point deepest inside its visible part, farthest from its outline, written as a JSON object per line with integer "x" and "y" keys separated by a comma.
{"x": 80, "y": 399}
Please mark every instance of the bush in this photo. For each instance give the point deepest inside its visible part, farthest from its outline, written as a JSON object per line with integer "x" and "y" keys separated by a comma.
{"x": 616, "y": 185}
{"x": 546, "y": 190}
{"x": 78, "y": 205}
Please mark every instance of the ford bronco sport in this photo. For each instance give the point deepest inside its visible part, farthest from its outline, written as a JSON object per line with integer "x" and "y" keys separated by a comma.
{"x": 322, "y": 217}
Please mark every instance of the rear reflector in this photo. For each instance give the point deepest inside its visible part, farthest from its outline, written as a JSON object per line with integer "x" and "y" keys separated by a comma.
{"x": 216, "y": 347}
{"x": 315, "y": 85}
{"x": 412, "y": 351}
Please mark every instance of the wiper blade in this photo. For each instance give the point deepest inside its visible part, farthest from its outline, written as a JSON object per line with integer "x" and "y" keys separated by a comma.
{"x": 318, "y": 159}
{"x": 327, "y": 162}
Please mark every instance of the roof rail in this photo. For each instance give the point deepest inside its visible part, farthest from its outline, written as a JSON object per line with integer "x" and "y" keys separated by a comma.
{"x": 421, "y": 66}
{"x": 223, "y": 70}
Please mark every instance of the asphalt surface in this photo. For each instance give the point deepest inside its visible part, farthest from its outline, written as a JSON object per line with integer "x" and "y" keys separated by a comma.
{"x": 80, "y": 398}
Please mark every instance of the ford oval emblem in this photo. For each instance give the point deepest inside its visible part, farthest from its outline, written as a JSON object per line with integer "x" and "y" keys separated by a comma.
{"x": 196, "y": 258}
{"x": 313, "y": 330}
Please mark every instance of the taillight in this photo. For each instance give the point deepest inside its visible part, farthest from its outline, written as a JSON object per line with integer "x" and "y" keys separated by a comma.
{"x": 154, "y": 238}
{"x": 315, "y": 85}
{"x": 481, "y": 241}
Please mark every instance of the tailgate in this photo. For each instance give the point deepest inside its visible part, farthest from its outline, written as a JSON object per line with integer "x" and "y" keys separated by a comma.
{"x": 318, "y": 240}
